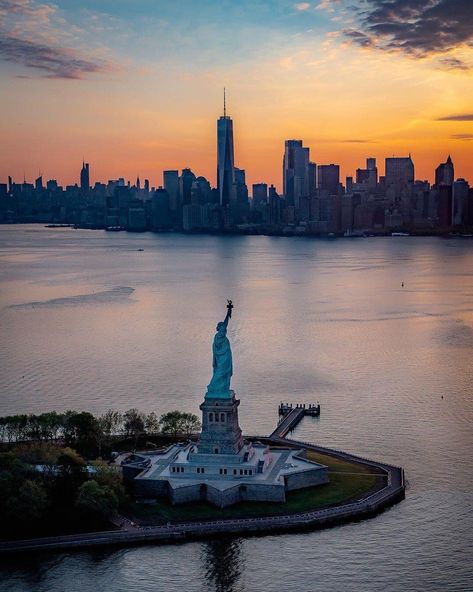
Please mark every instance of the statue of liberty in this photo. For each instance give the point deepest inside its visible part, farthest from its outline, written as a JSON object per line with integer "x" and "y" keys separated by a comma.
{"x": 219, "y": 386}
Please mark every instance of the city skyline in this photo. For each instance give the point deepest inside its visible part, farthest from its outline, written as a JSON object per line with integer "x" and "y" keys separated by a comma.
{"x": 135, "y": 89}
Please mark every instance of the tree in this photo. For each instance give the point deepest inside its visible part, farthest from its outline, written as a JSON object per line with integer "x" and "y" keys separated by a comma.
{"x": 152, "y": 423}
{"x": 28, "y": 504}
{"x": 96, "y": 501}
{"x": 109, "y": 476}
{"x": 190, "y": 424}
{"x": 177, "y": 422}
{"x": 82, "y": 429}
{"x": 110, "y": 422}
{"x": 171, "y": 423}
{"x": 134, "y": 424}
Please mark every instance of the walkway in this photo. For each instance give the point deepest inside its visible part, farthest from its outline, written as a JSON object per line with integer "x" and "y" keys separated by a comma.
{"x": 392, "y": 492}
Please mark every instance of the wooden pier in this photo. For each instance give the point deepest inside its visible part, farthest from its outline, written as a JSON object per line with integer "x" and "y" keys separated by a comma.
{"x": 291, "y": 415}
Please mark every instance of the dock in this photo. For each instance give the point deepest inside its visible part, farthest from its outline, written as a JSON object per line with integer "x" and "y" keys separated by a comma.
{"x": 291, "y": 415}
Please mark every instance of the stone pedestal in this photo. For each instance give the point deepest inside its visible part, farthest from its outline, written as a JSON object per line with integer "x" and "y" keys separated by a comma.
{"x": 221, "y": 433}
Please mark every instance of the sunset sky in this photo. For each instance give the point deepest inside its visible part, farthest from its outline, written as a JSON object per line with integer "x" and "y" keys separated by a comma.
{"x": 135, "y": 86}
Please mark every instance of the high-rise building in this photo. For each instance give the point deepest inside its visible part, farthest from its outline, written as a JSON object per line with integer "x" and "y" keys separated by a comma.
{"x": 328, "y": 178}
{"x": 185, "y": 186}
{"x": 171, "y": 185}
{"x": 399, "y": 171}
{"x": 225, "y": 156}
{"x": 372, "y": 172}
{"x": 460, "y": 193}
{"x": 260, "y": 193}
{"x": 84, "y": 177}
{"x": 445, "y": 173}
{"x": 295, "y": 172}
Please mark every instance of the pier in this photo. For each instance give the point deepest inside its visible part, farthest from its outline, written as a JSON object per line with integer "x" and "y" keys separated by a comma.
{"x": 292, "y": 415}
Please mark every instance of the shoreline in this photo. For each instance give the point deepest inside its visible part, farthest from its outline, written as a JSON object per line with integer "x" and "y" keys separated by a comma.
{"x": 363, "y": 508}
{"x": 398, "y": 233}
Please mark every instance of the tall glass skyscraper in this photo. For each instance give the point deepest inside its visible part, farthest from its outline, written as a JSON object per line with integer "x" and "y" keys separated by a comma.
{"x": 225, "y": 158}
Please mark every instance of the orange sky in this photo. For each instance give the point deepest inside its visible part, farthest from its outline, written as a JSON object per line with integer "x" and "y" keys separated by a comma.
{"x": 144, "y": 113}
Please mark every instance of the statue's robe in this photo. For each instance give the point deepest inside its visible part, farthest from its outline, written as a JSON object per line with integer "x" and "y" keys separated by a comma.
{"x": 222, "y": 365}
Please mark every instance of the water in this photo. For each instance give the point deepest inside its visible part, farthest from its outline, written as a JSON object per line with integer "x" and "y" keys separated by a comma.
{"x": 88, "y": 322}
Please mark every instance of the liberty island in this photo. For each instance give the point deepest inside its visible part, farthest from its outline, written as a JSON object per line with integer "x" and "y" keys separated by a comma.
{"x": 222, "y": 468}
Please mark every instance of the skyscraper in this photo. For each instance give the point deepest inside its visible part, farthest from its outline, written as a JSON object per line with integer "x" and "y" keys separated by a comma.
{"x": 444, "y": 173}
{"x": 84, "y": 177}
{"x": 260, "y": 193}
{"x": 171, "y": 185}
{"x": 225, "y": 157}
{"x": 328, "y": 178}
{"x": 295, "y": 172}
{"x": 399, "y": 171}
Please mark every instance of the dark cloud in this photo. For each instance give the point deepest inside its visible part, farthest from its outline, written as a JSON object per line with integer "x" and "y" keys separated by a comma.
{"x": 457, "y": 117}
{"x": 358, "y": 141}
{"x": 462, "y": 137}
{"x": 415, "y": 27}
{"x": 453, "y": 64}
{"x": 56, "y": 62}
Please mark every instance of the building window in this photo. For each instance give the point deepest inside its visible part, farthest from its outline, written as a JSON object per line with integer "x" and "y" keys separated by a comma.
{"x": 234, "y": 471}
{"x": 224, "y": 471}
{"x": 198, "y": 470}
{"x": 250, "y": 472}
{"x": 202, "y": 470}
{"x": 215, "y": 450}
{"x": 222, "y": 417}
{"x": 241, "y": 471}
{"x": 211, "y": 416}
{"x": 216, "y": 417}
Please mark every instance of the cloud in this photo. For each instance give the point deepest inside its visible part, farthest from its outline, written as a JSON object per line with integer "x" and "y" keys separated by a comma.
{"x": 302, "y": 6}
{"x": 57, "y": 62}
{"x": 462, "y": 137}
{"x": 458, "y": 117}
{"x": 358, "y": 141}
{"x": 453, "y": 64}
{"x": 35, "y": 36}
{"x": 418, "y": 28}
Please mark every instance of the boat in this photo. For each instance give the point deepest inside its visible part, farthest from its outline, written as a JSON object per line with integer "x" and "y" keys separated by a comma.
{"x": 400, "y": 234}
{"x": 354, "y": 234}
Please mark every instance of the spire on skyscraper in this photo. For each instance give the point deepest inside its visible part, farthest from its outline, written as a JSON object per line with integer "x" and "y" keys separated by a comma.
{"x": 224, "y": 103}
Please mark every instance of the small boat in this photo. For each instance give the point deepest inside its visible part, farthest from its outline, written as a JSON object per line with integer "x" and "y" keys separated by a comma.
{"x": 400, "y": 234}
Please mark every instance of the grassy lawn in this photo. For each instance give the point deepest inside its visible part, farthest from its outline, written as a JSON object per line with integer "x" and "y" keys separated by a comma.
{"x": 348, "y": 481}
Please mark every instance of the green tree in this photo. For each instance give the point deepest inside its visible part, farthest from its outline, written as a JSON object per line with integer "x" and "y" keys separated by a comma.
{"x": 152, "y": 423}
{"x": 109, "y": 476}
{"x": 83, "y": 430}
{"x": 110, "y": 422}
{"x": 190, "y": 424}
{"x": 96, "y": 501}
{"x": 134, "y": 424}
{"x": 28, "y": 505}
{"x": 177, "y": 422}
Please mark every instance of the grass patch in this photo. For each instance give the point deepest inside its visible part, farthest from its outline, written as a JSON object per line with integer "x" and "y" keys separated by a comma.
{"x": 349, "y": 481}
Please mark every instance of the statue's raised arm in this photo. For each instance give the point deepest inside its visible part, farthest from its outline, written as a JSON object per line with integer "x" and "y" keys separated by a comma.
{"x": 229, "y": 313}
{"x": 219, "y": 386}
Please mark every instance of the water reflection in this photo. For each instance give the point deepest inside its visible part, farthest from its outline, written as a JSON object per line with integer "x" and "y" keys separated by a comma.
{"x": 223, "y": 565}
